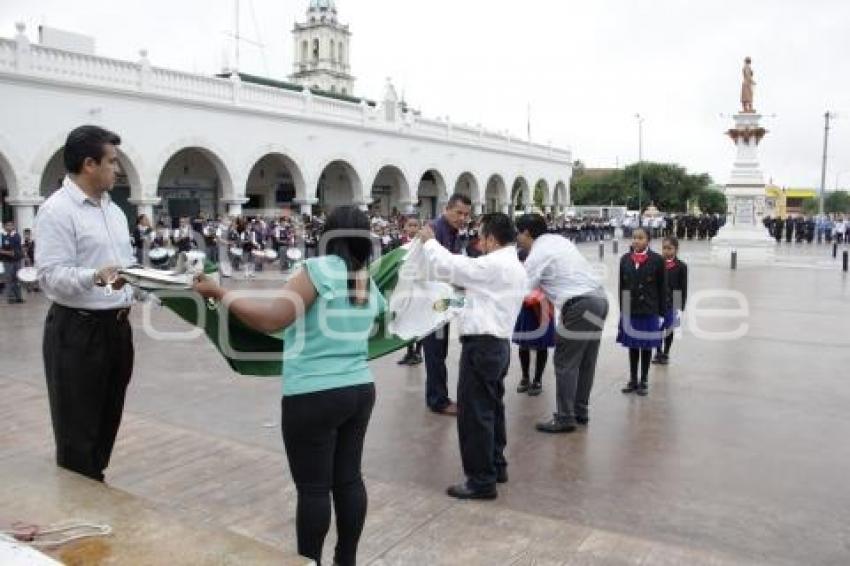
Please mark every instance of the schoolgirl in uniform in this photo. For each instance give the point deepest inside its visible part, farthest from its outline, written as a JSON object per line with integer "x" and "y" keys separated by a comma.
{"x": 643, "y": 303}
{"x": 677, "y": 296}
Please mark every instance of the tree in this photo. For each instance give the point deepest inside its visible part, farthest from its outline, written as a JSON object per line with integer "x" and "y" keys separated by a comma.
{"x": 810, "y": 206}
{"x": 837, "y": 202}
{"x": 712, "y": 202}
{"x": 668, "y": 186}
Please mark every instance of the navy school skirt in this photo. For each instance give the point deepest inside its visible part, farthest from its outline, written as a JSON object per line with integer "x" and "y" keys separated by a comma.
{"x": 640, "y": 331}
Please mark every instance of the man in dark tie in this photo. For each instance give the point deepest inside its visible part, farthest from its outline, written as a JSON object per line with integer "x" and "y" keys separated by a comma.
{"x": 436, "y": 346}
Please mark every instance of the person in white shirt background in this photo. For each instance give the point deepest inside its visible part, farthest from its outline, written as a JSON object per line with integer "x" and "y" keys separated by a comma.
{"x": 83, "y": 240}
{"x": 555, "y": 265}
{"x": 495, "y": 284}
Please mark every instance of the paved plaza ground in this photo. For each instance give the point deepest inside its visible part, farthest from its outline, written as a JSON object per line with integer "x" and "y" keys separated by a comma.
{"x": 739, "y": 455}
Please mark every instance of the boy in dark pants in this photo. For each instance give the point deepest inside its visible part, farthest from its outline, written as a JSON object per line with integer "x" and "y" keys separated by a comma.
{"x": 495, "y": 285}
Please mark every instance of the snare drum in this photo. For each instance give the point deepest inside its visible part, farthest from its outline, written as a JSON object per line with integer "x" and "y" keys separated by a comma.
{"x": 27, "y": 275}
{"x": 158, "y": 256}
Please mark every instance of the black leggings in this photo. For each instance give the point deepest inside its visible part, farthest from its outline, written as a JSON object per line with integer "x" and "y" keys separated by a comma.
{"x": 645, "y": 357}
{"x": 539, "y": 363}
{"x": 323, "y": 433}
{"x": 668, "y": 343}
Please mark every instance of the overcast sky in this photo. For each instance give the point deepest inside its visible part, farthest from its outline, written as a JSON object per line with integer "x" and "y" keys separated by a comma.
{"x": 585, "y": 67}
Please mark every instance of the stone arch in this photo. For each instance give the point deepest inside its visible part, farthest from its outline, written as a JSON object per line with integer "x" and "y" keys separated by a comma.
{"x": 521, "y": 197}
{"x": 390, "y": 189}
{"x": 193, "y": 180}
{"x": 547, "y": 191}
{"x": 228, "y": 187}
{"x": 431, "y": 191}
{"x": 467, "y": 184}
{"x": 282, "y": 156}
{"x": 337, "y": 183}
{"x": 8, "y": 180}
{"x": 560, "y": 197}
{"x": 496, "y": 194}
{"x": 51, "y": 158}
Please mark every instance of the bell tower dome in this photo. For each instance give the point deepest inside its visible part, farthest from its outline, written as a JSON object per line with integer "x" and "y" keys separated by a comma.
{"x": 322, "y": 50}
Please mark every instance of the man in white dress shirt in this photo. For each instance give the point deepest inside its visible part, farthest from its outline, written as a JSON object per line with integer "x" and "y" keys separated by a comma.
{"x": 556, "y": 266}
{"x": 83, "y": 239}
{"x": 494, "y": 285}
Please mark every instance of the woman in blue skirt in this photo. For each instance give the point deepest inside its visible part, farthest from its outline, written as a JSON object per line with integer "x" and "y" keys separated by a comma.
{"x": 534, "y": 330}
{"x": 643, "y": 303}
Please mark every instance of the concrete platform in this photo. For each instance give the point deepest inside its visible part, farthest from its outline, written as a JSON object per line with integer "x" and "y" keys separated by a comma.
{"x": 738, "y": 456}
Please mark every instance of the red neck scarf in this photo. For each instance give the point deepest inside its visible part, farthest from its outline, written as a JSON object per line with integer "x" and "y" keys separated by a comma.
{"x": 670, "y": 263}
{"x": 639, "y": 258}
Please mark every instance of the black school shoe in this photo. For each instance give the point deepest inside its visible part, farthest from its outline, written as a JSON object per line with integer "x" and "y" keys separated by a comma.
{"x": 407, "y": 360}
{"x": 462, "y": 491}
{"x": 535, "y": 389}
{"x": 522, "y": 387}
{"x": 630, "y": 388}
{"x": 643, "y": 390}
{"x": 555, "y": 425}
{"x": 415, "y": 360}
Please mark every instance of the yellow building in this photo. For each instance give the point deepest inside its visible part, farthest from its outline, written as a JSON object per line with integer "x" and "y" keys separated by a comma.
{"x": 786, "y": 201}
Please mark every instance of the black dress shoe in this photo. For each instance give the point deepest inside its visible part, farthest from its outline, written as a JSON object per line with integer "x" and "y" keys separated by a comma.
{"x": 555, "y": 426}
{"x": 415, "y": 360}
{"x": 535, "y": 389}
{"x": 630, "y": 388}
{"x": 462, "y": 491}
{"x": 643, "y": 390}
{"x": 502, "y": 475}
{"x": 664, "y": 360}
{"x": 405, "y": 361}
{"x": 522, "y": 387}
{"x": 582, "y": 420}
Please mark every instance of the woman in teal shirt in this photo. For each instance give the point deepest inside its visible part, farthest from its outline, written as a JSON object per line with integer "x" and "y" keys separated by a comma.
{"x": 327, "y": 310}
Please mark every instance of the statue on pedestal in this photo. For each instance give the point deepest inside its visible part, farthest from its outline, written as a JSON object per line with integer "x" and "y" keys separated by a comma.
{"x": 747, "y": 87}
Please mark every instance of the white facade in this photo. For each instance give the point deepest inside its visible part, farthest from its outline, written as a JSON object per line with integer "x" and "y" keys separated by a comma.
{"x": 239, "y": 141}
{"x": 322, "y": 50}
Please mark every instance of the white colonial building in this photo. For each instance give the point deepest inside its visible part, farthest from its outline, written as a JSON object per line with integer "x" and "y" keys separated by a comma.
{"x": 221, "y": 145}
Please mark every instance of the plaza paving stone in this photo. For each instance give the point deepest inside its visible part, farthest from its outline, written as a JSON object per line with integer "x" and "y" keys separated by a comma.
{"x": 738, "y": 456}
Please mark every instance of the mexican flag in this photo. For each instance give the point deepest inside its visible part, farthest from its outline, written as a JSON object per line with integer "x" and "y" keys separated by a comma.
{"x": 254, "y": 353}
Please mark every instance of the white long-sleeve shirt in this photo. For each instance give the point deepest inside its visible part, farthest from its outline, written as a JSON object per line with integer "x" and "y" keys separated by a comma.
{"x": 495, "y": 285}
{"x": 555, "y": 265}
{"x": 77, "y": 236}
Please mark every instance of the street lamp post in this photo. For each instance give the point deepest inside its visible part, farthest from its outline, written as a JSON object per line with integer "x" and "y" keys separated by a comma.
{"x": 640, "y": 166}
{"x": 827, "y": 117}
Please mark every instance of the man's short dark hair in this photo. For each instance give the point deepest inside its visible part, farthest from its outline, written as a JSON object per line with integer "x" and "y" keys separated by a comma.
{"x": 85, "y": 142}
{"x": 535, "y": 224}
{"x": 500, "y": 226}
{"x": 456, "y": 198}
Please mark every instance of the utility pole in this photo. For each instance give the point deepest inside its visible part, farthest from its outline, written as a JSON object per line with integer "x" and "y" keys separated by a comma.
{"x": 640, "y": 165}
{"x": 826, "y": 117}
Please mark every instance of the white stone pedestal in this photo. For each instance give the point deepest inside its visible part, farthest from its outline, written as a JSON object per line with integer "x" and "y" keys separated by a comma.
{"x": 745, "y": 199}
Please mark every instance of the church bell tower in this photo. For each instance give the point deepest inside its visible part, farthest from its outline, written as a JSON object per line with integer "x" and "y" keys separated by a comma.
{"x": 322, "y": 50}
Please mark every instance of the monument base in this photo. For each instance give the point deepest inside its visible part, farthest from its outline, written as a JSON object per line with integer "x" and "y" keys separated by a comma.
{"x": 752, "y": 242}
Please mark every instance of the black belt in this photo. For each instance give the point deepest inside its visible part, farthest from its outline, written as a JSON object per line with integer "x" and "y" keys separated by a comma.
{"x": 480, "y": 338}
{"x": 574, "y": 300}
{"x": 119, "y": 315}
